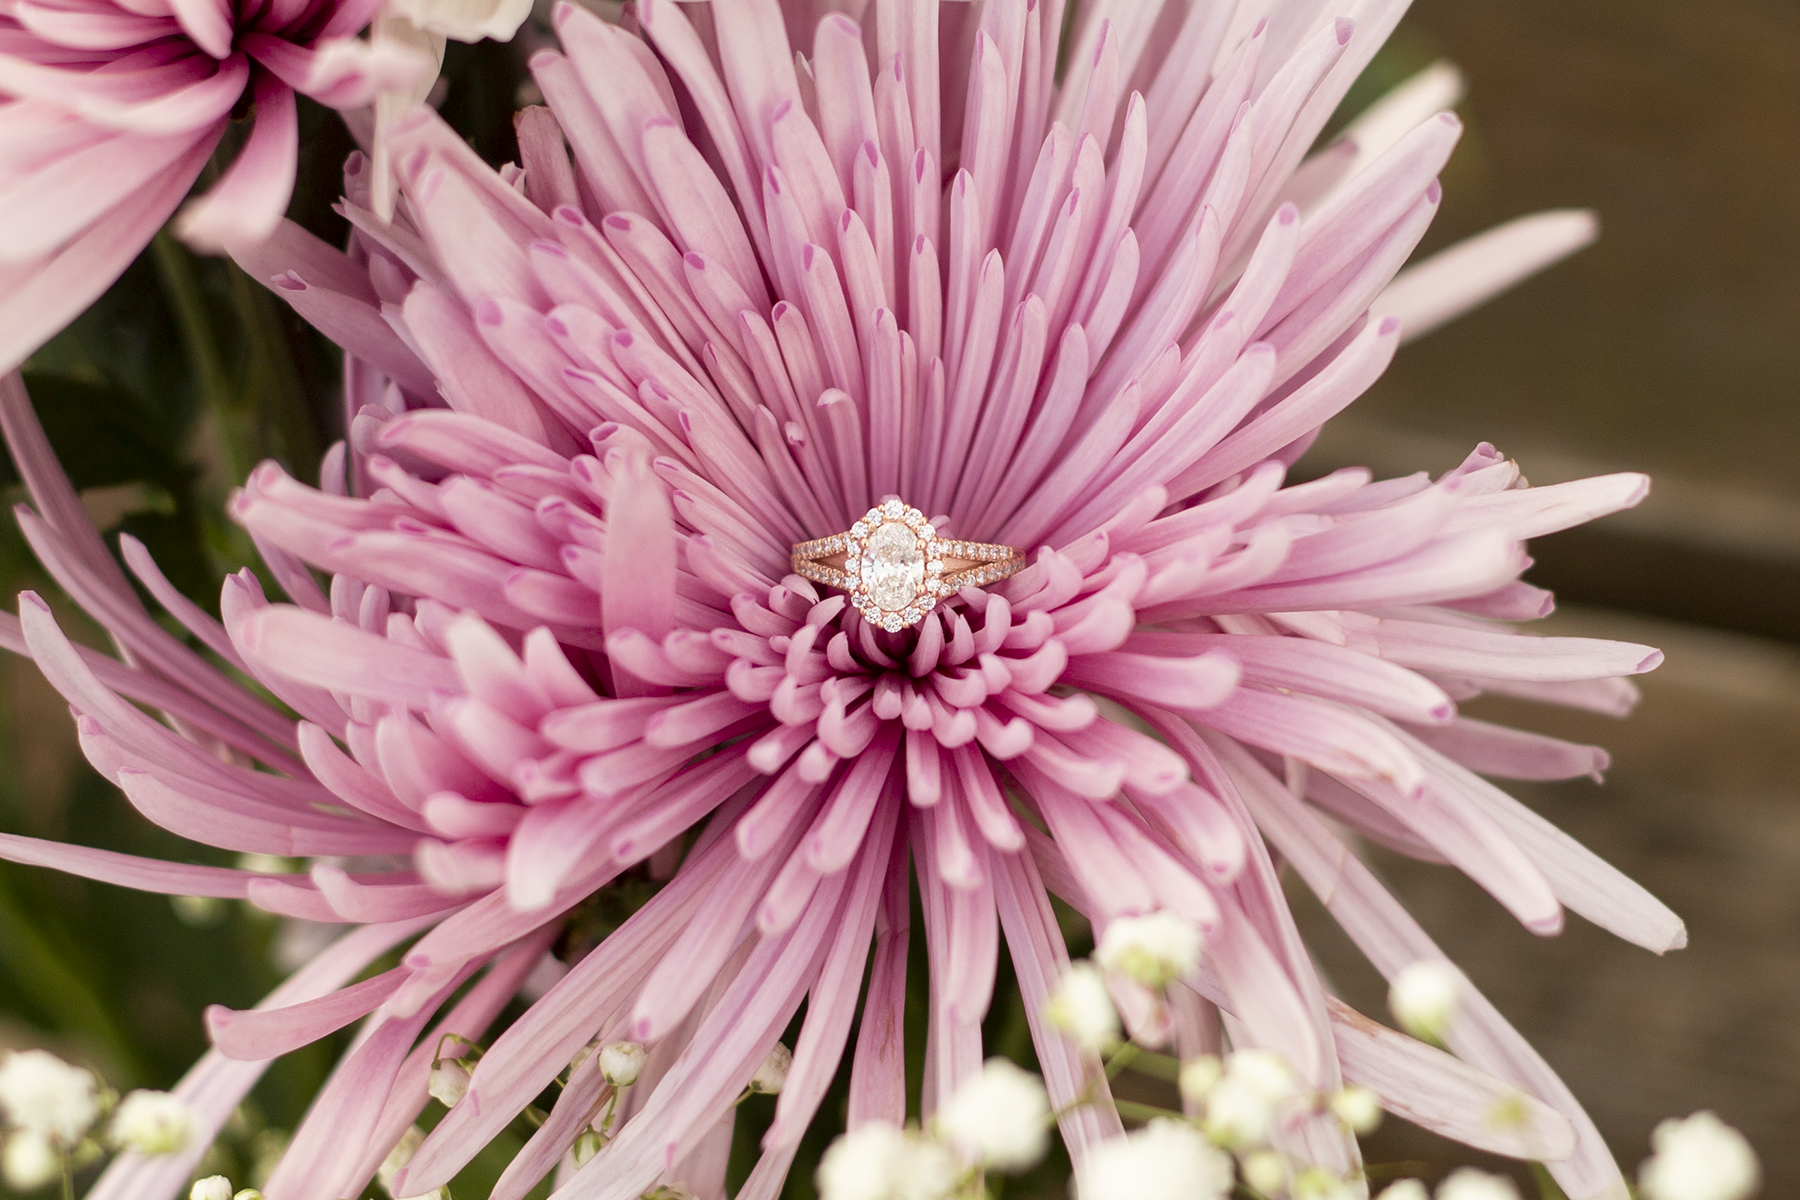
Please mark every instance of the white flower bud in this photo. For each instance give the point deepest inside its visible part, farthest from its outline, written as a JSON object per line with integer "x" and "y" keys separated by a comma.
{"x": 42, "y": 1094}
{"x": 399, "y": 1156}
{"x": 1404, "y": 1189}
{"x": 1264, "y": 1070}
{"x": 1238, "y": 1115}
{"x": 1165, "y": 1160}
{"x": 213, "y": 1187}
{"x": 153, "y": 1123}
{"x": 1199, "y": 1075}
{"x": 1081, "y": 1008}
{"x": 449, "y": 1082}
{"x": 465, "y": 20}
{"x": 876, "y": 1161}
{"x": 1266, "y": 1171}
{"x": 30, "y": 1160}
{"x": 1357, "y": 1107}
{"x": 621, "y": 1063}
{"x": 1700, "y": 1158}
{"x": 248, "y": 1194}
{"x": 586, "y": 1146}
{"x": 773, "y": 1073}
{"x": 1316, "y": 1183}
{"x": 1425, "y": 996}
{"x": 1470, "y": 1183}
{"x": 999, "y": 1118}
{"x": 1153, "y": 950}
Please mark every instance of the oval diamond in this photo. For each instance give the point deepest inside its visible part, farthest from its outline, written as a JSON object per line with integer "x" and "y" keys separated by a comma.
{"x": 893, "y": 566}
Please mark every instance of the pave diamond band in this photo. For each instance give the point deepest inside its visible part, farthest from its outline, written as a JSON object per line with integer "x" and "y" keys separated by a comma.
{"x": 895, "y": 566}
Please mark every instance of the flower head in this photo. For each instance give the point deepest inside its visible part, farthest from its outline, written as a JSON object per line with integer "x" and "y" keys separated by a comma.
{"x": 1425, "y": 996}
{"x": 153, "y": 1122}
{"x": 1081, "y": 1008}
{"x": 999, "y": 1119}
{"x": 596, "y": 403}
{"x": 879, "y": 1161}
{"x": 114, "y": 108}
{"x": 1698, "y": 1158}
{"x": 1472, "y": 1183}
{"x": 1165, "y": 1160}
{"x": 43, "y": 1095}
{"x": 212, "y": 1187}
{"x": 1154, "y": 950}
{"x": 621, "y": 1063}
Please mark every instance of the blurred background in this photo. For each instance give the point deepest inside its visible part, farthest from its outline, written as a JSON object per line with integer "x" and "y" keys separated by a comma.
{"x": 1672, "y": 346}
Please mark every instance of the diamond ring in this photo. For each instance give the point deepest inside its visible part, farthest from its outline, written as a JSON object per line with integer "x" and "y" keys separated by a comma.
{"x": 895, "y": 566}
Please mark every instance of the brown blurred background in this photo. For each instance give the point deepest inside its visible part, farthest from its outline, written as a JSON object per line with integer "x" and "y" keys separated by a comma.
{"x": 1672, "y": 346}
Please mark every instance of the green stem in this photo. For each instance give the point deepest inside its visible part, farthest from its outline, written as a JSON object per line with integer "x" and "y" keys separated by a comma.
{"x": 1143, "y": 1112}
{"x": 68, "y": 1179}
{"x": 183, "y": 289}
{"x": 1121, "y": 1058}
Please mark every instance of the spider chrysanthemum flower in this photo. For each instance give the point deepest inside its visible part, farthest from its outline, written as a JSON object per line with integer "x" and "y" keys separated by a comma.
{"x": 1095, "y": 318}
{"x": 109, "y": 109}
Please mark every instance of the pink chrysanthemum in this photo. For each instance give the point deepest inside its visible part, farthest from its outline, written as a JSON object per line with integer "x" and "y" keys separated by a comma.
{"x": 1097, "y": 319}
{"x": 110, "y": 108}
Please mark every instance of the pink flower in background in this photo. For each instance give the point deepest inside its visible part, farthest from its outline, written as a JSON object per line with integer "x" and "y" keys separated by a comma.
{"x": 109, "y": 110}
{"x": 604, "y": 396}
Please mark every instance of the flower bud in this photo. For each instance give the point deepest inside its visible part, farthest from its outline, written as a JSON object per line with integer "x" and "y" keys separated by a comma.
{"x": 29, "y": 1161}
{"x": 399, "y": 1156}
{"x": 1699, "y": 1158}
{"x": 621, "y": 1063}
{"x": 1081, "y": 1008}
{"x": 1198, "y": 1076}
{"x": 1357, "y": 1107}
{"x": 1470, "y": 1183}
{"x": 1424, "y": 998}
{"x": 449, "y": 1081}
{"x": 586, "y": 1146}
{"x": 1404, "y": 1189}
{"x": 773, "y": 1073}
{"x": 153, "y": 1123}
{"x": 248, "y": 1194}
{"x": 1317, "y": 1183}
{"x": 1265, "y": 1171}
{"x": 213, "y": 1187}
{"x": 999, "y": 1118}
{"x": 1154, "y": 950}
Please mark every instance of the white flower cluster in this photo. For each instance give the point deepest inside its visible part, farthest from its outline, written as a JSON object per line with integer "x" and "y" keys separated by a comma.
{"x": 1698, "y": 1158}
{"x": 51, "y": 1108}
{"x": 217, "y": 1187}
{"x": 999, "y": 1120}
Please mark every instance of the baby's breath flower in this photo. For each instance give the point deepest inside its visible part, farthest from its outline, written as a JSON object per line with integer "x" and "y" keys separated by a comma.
{"x": 772, "y": 1075}
{"x": 621, "y": 1063}
{"x": 1154, "y": 950}
{"x": 1198, "y": 1076}
{"x": 29, "y": 1161}
{"x": 1165, "y": 1160}
{"x": 1265, "y": 1171}
{"x": 1424, "y": 998}
{"x": 449, "y": 1082}
{"x": 1357, "y": 1107}
{"x": 42, "y": 1094}
{"x": 1470, "y": 1183}
{"x": 876, "y": 1161}
{"x": 1698, "y": 1158}
{"x": 153, "y": 1123}
{"x": 999, "y": 1118}
{"x": 1404, "y": 1189}
{"x": 1081, "y": 1008}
